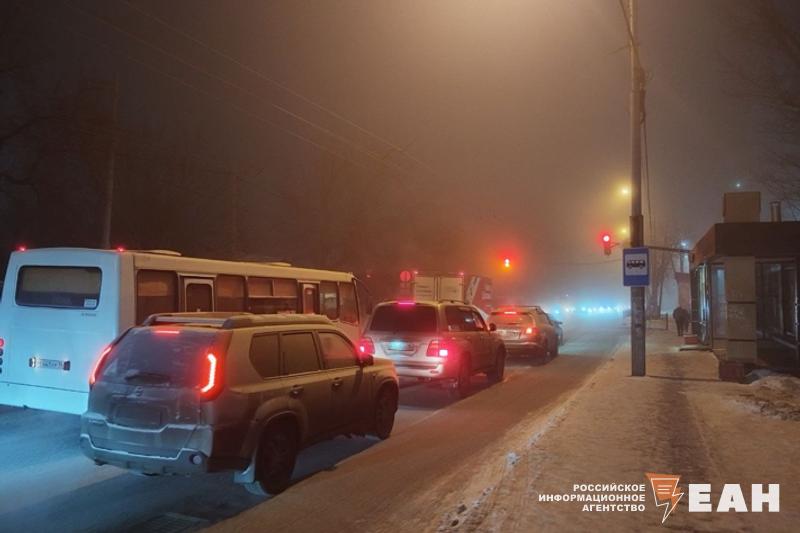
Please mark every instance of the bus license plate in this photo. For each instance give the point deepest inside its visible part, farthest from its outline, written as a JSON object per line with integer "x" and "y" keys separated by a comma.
{"x": 54, "y": 364}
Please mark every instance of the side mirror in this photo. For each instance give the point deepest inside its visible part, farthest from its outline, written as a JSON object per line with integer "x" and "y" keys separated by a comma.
{"x": 366, "y": 359}
{"x": 492, "y": 326}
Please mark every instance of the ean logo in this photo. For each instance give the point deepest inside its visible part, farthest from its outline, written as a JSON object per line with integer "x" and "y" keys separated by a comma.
{"x": 665, "y": 491}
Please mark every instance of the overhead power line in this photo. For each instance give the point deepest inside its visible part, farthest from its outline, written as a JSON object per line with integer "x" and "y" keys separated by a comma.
{"x": 275, "y": 83}
{"x": 271, "y": 122}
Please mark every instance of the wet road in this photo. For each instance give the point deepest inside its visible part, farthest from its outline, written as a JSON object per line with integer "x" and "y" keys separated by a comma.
{"x": 46, "y": 484}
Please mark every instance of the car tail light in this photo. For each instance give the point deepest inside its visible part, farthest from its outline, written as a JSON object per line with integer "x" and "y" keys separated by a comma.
{"x": 366, "y": 346}
{"x": 438, "y": 348}
{"x": 210, "y": 385}
{"x": 533, "y": 331}
{"x": 98, "y": 366}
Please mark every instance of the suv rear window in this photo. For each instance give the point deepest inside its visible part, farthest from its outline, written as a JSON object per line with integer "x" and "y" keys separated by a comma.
{"x": 159, "y": 356}
{"x": 57, "y": 286}
{"x": 411, "y": 318}
{"x": 514, "y": 319}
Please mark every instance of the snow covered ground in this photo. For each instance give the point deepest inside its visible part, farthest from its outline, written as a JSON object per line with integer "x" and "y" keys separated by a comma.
{"x": 679, "y": 420}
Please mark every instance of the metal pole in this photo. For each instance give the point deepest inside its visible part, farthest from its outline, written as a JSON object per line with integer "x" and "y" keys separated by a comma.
{"x": 638, "y": 319}
{"x": 111, "y": 168}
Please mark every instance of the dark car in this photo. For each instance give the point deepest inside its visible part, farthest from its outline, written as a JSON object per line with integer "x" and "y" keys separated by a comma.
{"x": 199, "y": 392}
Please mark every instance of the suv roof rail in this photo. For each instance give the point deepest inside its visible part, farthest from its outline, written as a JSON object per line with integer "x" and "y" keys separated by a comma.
{"x": 206, "y": 318}
{"x": 236, "y": 319}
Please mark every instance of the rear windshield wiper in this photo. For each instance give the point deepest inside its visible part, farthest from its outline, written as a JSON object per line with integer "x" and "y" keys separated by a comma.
{"x": 148, "y": 376}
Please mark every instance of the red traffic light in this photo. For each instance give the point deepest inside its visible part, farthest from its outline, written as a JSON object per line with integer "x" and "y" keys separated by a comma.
{"x": 507, "y": 262}
{"x": 606, "y": 238}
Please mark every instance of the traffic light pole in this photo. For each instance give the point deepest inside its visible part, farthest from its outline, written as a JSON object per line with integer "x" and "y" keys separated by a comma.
{"x": 638, "y": 318}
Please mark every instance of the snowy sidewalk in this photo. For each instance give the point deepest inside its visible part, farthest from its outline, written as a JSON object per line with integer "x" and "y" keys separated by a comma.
{"x": 679, "y": 420}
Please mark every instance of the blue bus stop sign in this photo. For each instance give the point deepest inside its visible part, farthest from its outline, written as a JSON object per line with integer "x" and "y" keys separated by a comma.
{"x": 636, "y": 267}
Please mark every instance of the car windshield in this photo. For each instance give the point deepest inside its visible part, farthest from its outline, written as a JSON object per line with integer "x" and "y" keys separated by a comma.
{"x": 413, "y": 318}
{"x": 510, "y": 318}
{"x": 158, "y": 356}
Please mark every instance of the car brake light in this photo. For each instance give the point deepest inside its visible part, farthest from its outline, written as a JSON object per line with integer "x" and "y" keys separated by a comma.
{"x": 167, "y": 331}
{"x": 366, "y": 346}
{"x": 405, "y": 303}
{"x": 98, "y": 366}
{"x": 531, "y": 330}
{"x": 509, "y": 312}
{"x": 212, "y": 368}
{"x": 437, "y": 348}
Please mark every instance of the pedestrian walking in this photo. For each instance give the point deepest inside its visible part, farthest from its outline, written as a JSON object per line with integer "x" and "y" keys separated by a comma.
{"x": 681, "y": 317}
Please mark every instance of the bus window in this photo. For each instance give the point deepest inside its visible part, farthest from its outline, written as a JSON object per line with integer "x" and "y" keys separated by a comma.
{"x": 156, "y": 292}
{"x": 348, "y": 303}
{"x": 270, "y": 296}
{"x": 229, "y": 293}
{"x": 285, "y": 288}
{"x": 259, "y": 294}
{"x": 57, "y": 286}
{"x": 329, "y": 299}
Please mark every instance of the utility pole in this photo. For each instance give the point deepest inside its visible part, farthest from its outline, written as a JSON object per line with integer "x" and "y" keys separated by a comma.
{"x": 638, "y": 318}
{"x": 111, "y": 166}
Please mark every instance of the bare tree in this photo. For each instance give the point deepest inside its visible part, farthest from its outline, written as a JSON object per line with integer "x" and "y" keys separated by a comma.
{"x": 766, "y": 68}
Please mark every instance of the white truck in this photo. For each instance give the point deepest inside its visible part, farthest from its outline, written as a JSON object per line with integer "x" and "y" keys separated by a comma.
{"x": 471, "y": 289}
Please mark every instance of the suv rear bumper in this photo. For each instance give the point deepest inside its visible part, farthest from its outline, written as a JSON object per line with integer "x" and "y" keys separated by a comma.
{"x": 526, "y": 347}
{"x": 206, "y": 448}
{"x": 185, "y": 462}
{"x": 420, "y": 369}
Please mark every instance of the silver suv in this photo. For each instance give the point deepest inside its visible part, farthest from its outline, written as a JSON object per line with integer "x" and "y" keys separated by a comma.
{"x": 526, "y": 330}
{"x": 202, "y": 392}
{"x": 445, "y": 340}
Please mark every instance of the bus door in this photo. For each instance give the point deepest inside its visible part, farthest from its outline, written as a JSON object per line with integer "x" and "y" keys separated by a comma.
{"x": 198, "y": 294}
{"x": 310, "y": 302}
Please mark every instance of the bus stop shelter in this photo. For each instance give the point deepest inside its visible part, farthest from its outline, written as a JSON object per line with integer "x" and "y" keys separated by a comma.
{"x": 744, "y": 278}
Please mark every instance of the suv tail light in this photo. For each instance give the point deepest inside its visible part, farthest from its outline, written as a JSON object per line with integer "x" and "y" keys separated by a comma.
{"x": 532, "y": 331}
{"x": 98, "y": 366}
{"x": 437, "y": 348}
{"x": 210, "y": 383}
{"x": 212, "y": 375}
{"x": 366, "y": 346}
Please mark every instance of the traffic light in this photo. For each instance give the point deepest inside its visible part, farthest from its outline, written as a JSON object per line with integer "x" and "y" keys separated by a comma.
{"x": 506, "y": 263}
{"x": 607, "y": 244}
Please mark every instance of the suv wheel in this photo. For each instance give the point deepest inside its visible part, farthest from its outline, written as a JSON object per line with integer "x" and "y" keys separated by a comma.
{"x": 385, "y": 409}
{"x": 462, "y": 388}
{"x": 275, "y": 460}
{"x": 496, "y": 374}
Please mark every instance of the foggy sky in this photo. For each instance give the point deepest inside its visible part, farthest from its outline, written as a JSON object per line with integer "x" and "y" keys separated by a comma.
{"x": 515, "y": 114}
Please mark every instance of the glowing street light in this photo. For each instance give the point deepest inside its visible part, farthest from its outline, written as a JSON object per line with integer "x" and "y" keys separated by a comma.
{"x": 625, "y": 191}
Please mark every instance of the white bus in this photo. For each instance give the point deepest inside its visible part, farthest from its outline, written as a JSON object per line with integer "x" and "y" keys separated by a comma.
{"x": 61, "y": 307}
